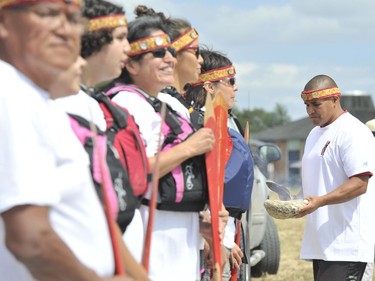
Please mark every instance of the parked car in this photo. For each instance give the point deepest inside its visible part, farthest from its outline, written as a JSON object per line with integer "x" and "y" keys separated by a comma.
{"x": 260, "y": 234}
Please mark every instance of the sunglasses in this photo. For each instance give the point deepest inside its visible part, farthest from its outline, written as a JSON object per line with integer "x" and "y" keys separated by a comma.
{"x": 160, "y": 53}
{"x": 196, "y": 50}
{"x": 229, "y": 81}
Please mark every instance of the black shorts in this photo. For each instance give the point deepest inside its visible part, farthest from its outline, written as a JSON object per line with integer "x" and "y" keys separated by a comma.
{"x": 338, "y": 270}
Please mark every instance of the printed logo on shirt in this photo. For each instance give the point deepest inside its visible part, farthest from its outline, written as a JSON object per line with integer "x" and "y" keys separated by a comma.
{"x": 325, "y": 148}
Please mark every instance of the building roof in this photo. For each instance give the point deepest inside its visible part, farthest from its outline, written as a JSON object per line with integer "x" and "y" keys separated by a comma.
{"x": 294, "y": 130}
{"x": 360, "y": 106}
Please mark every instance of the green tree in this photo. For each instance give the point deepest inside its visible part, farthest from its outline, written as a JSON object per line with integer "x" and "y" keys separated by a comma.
{"x": 259, "y": 119}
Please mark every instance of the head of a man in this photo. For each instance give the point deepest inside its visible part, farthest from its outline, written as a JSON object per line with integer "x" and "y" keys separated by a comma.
{"x": 104, "y": 43}
{"x": 322, "y": 99}
{"x": 41, "y": 38}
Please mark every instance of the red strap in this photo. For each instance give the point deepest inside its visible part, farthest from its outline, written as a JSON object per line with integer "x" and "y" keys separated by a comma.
{"x": 237, "y": 240}
{"x": 110, "y": 221}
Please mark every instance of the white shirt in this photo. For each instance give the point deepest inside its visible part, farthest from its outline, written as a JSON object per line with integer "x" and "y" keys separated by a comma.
{"x": 43, "y": 163}
{"x": 175, "y": 104}
{"x": 85, "y": 106}
{"x": 346, "y": 231}
{"x": 145, "y": 116}
{"x": 175, "y": 239}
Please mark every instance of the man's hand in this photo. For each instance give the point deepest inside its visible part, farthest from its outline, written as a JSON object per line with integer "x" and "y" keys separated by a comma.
{"x": 352, "y": 188}
{"x": 314, "y": 203}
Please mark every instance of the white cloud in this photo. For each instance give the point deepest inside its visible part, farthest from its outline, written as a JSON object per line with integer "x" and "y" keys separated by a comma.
{"x": 262, "y": 86}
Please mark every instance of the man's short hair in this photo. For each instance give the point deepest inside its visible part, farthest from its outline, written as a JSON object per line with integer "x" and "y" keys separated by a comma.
{"x": 93, "y": 41}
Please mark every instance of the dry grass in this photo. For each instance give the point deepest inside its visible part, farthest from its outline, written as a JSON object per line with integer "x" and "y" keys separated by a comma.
{"x": 291, "y": 267}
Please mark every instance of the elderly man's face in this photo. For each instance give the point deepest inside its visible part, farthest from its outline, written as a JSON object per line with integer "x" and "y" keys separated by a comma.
{"x": 42, "y": 39}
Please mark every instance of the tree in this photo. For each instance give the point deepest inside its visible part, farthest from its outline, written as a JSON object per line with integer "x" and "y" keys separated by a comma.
{"x": 259, "y": 119}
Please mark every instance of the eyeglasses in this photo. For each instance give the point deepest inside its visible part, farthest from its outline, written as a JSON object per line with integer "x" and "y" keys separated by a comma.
{"x": 196, "y": 50}
{"x": 160, "y": 53}
{"x": 229, "y": 81}
{"x": 54, "y": 16}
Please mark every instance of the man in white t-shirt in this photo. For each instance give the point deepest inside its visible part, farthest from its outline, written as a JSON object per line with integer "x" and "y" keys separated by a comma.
{"x": 52, "y": 226}
{"x": 337, "y": 170}
{"x": 367, "y": 276}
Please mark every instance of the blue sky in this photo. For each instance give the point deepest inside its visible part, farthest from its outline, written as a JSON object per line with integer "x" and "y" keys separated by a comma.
{"x": 277, "y": 46}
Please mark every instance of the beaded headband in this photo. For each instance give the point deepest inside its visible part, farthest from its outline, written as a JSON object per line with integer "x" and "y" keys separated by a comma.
{"x": 320, "y": 94}
{"x": 147, "y": 44}
{"x": 13, "y": 3}
{"x": 107, "y": 22}
{"x": 216, "y": 75}
{"x": 185, "y": 39}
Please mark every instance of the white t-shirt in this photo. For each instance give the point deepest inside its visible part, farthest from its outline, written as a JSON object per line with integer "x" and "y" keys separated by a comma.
{"x": 175, "y": 104}
{"x": 232, "y": 124}
{"x": 175, "y": 239}
{"x": 43, "y": 163}
{"x": 85, "y": 106}
{"x": 346, "y": 231}
{"x": 230, "y": 233}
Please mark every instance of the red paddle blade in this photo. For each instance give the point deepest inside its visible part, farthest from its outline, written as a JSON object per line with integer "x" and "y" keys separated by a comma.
{"x": 247, "y": 132}
{"x": 221, "y": 137}
{"x": 212, "y": 179}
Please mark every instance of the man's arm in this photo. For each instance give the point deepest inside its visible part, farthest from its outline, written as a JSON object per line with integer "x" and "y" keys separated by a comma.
{"x": 354, "y": 187}
{"x": 31, "y": 239}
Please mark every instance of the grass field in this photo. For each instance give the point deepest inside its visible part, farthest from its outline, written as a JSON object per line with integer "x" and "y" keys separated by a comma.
{"x": 291, "y": 267}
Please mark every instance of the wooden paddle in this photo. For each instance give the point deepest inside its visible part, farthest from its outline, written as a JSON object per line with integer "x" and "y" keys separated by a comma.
{"x": 154, "y": 196}
{"x": 213, "y": 190}
{"x": 221, "y": 138}
{"x": 247, "y": 132}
